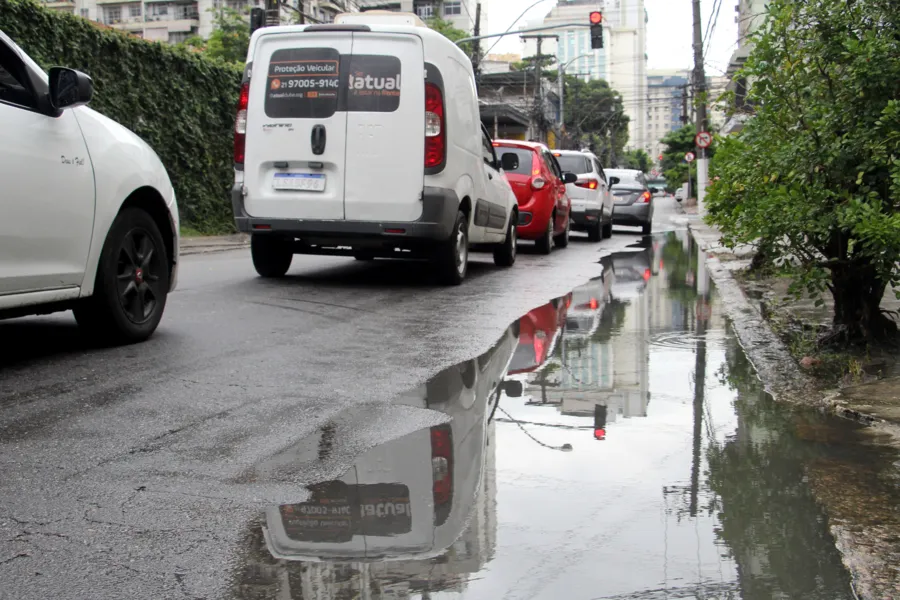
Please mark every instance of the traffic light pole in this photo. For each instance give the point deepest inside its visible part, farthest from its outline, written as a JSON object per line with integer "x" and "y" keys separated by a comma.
{"x": 520, "y": 31}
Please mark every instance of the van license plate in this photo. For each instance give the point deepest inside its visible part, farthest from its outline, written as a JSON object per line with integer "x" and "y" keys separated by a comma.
{"x": 307, "y": 182}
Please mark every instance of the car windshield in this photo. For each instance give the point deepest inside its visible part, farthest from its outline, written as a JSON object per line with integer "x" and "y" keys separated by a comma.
{"x": 524, "y": 155}
{"x": 627, "y": 179}
{"x": 574, "y": 163}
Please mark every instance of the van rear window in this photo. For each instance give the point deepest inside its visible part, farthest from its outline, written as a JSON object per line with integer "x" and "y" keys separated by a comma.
{"x": 314, "y": 83}
{"x": 303, "y": 83}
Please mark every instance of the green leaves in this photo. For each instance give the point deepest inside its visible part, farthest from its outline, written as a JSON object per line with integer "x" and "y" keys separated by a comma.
{"x": 824, "y": 84}
{"x": 179, "y": 102}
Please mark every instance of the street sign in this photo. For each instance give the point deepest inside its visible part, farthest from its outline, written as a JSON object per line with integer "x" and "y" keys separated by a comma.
{"x": 703, "y": 139}
{"x": 660, "y": 157}
{"x": 689, "y": 157}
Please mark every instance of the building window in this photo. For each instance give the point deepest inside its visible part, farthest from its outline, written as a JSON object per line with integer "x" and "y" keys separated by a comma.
{"x": 187, "y": 11}
{"x": 178, "y": 37}
{"x": 84, "y": 13}
{"x": 452, "y": 8}
{"x": 158, "y": 10}
{"x": 425, "y": 11}
{"x": 112, "y": 14}
{"x": 134, "y": 10}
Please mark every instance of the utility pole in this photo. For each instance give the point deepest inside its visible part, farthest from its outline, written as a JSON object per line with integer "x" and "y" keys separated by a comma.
{"x": 302, "y": 15}
{"x": 538, "y": 96}
{"x": 700, "y": 98}
{"x": 476, "y": 46}
{"x": 684, "y": 104}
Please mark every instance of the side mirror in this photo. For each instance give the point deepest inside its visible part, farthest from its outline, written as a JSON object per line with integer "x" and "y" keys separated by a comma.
{"x": 569, "y": 177}
{"x": 653, "y": 190}
{"x": 509, "y": 161}
{"x": 613, "y": 181}
{"x": 69, "y": 88}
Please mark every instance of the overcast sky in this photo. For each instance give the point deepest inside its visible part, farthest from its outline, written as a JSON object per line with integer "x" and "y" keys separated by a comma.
{"x": 669, "y": 28}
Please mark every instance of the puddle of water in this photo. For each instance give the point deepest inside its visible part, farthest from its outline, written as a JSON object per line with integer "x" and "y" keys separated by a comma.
{"x": 614, "y": 443}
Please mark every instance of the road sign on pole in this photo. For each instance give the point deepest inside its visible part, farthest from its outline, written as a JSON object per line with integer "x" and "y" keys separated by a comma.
{"x": 689, "y": 157}
{"x": 703, "y": 139}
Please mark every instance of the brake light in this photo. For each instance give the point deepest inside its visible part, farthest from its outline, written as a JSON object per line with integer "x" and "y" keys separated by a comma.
{"x": 240, "y": 124}
{"x": 647, "y": 274}
{"x": 442, "y": 471}
{"x": 435, "y": 132}
{"x": 538, "y": 182}
{"x": 645, "y": 197}
{"x": 589, "y": 184}
{"x": 594, "y": 304}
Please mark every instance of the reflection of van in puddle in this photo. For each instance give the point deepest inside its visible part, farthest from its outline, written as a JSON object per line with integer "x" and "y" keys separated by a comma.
{"x": 409, "y": 498}
{"x": 539, "y": 332}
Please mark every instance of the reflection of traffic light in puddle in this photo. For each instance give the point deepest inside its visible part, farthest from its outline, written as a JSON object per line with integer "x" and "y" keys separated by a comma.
{"x": 599, "y": 421}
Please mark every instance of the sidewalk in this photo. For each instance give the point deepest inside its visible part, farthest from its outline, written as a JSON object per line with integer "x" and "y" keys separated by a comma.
{"x": 213, "y": 243}
{"x": 861, "y": 502}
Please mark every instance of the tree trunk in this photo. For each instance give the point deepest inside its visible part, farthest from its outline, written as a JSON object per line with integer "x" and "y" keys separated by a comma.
{"x": 857, "y": 294}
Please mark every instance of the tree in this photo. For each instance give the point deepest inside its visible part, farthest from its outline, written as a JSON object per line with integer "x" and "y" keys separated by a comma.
{"x": 595, "y": 117}
{"x": 815, "y": 174}
{"x": 637, "y": 159}
{"x": 450, "y": 32}
{"x": 674, "y": 167}
{"x": 229, "y": 40}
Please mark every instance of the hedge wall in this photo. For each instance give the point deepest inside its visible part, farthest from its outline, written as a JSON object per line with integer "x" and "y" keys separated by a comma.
{"x": 180, "y": 103}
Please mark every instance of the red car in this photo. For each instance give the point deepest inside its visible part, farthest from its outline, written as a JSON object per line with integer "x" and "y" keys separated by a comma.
{"x": 540, "y": 188}
{"x": 539, "y": 331}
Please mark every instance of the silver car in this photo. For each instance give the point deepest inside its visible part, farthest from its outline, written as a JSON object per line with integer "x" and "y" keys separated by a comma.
{"x": 633, "y": 199}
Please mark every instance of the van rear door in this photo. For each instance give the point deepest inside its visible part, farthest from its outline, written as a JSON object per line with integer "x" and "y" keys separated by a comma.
{"x": 386, "y": 128}
{"x": 296, "y": 130}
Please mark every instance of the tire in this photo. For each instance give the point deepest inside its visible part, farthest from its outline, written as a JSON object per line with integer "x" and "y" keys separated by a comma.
{"x": 562, "y": 240}
{"x": 362, "y": 255}
{"x": 452, "y": 256}
{"x": 646, "y": 228}
{"x": 544, "y": 244}
{"x": 505, "y": 253}
{"x": 595, "y": 232}
{"x": 272, "y": 256}
{"x": 132, "y": 282}
{"x": 606, "y": 230}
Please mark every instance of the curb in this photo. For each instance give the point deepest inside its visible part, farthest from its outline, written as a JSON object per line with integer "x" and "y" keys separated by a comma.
{"x": 211, "y": 249}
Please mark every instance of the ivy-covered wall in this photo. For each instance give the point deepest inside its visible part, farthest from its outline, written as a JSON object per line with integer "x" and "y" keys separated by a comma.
{"x": 180, "y": 103}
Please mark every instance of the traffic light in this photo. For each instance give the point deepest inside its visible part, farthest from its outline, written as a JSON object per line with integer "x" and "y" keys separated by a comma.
{"x": 596, "y": 18}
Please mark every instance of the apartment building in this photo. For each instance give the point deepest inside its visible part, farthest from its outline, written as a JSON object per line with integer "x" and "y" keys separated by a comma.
{"x": 572, "y": 49}
{"x": 175, "y": 21}
{"x": 665, "y": 105}
{"x": 460, "y": 13}
{"x": 750, "y": 15}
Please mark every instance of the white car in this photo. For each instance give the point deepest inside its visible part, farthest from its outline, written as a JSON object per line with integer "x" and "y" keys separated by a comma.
{"x": 363, "y": 138}
{"x": 592, "y": 202}
{"x": 89, "y": 221}
{"x": 679, "y": 194}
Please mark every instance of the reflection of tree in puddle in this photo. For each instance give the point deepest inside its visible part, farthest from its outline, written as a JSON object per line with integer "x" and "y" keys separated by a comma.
{"x": 769, "y": 519}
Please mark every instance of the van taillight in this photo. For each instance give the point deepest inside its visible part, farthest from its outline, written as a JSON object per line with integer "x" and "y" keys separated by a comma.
{"x": 442, "y": 471}
{"x": 435, "y": 132}
{"x": 240, "y": 124}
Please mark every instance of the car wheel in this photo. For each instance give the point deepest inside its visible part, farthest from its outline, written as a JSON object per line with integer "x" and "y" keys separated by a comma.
{"x": 505, "y": 253}
{"x": 363, "y": 255}
{"x": 562, "y": 240}
{"x": 595, "y": 232}
{"x": 646, "y": 228}
{"x": 606, "y": 231}
{"x": 544, "y": 244}
{"x": 132, "y": 281}
{"x": 272, "y": 256}
{"x": 453, "y": 255}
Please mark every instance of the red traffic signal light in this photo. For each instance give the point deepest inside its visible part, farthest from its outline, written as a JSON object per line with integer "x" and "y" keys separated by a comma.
{"x": 596, "y": 17}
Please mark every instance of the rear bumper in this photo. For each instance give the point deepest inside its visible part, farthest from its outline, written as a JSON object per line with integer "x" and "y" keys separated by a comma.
{"x": 439, "y": 209}
{"x": 634, "y": 214}
{"x": 585, "y": 219}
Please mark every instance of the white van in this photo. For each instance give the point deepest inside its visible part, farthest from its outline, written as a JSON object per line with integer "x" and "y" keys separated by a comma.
{"x": 363, "y": 138}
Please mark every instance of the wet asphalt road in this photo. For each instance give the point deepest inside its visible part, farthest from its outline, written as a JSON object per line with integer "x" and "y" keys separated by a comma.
{"x": 333, "y": 435}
